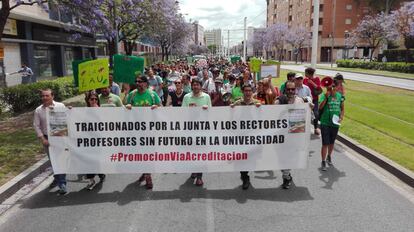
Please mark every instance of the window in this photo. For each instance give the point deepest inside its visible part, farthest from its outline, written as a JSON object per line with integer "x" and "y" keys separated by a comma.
{"x": 348, "y": 21}
{"x": 320, "y": 21}
{"x": 349, "y": 7}
{"x": 321, "y": 7}
{"x": 69, "y": 57}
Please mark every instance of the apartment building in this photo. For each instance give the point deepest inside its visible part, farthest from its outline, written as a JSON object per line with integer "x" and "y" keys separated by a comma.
{"x": 337, "y": 19}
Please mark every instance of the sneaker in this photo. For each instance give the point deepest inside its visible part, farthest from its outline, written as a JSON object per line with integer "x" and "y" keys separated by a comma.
{"x": 323, "y": 166}
{"x": 91, "y": 184}
{"x": 53, "y": 184}
{"x": 141, "y": 178}
{"x": 246, "y": 183}
{"x": 287, "y": 182}
{"x": 193, "y": 175}
{"x": 199, "y": 181}
{"x": 329, "y": 160}
{"x": 148, "y": 181}
{"x": 102, "y": 178}
{"x": 62, "y": 190}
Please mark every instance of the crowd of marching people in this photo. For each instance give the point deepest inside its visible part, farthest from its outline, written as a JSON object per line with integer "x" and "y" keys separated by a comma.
{"x": 214, "y": 83}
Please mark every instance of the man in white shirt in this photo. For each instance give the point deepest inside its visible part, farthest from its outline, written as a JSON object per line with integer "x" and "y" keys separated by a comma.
{"x": 40, "y": 126}
{"x": 302, "y": 90}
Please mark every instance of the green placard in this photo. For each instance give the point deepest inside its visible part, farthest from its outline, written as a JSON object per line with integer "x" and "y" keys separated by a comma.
{"x": 189, "y": 59}
{"x": 255, "y": 65}
{"x": 234, "y": 59}
{"x": 127, "y": 67}
{"x": 75, "y": 69}
{"x": 93, "y": 74}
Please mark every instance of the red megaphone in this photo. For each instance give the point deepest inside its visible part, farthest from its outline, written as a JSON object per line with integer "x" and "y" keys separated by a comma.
{"x": 326, "y": 81}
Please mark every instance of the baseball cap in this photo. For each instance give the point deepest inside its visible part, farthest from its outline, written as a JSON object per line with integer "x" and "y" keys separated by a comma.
{"x": 298, "y": 75}
{"x": 339, "y": 77}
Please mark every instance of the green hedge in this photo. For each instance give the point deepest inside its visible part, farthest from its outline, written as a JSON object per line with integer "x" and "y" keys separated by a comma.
{"x": 399, "y": 55}
{"x": 388, "y": 66}
{"x": 23, "y": 98}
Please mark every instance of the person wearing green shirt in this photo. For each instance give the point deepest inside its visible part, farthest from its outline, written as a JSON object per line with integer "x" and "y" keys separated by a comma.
{"x": 197, "y": 98}
{"x": 108, "y": 99}
{"x": 236, "y": 92}
{"x": 332, "y": 113}
{"x": 247, "y": 100}
{"x": 143, "y": 97}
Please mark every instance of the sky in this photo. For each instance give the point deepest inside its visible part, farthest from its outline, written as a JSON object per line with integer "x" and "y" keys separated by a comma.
{"x": 225, "y": 14}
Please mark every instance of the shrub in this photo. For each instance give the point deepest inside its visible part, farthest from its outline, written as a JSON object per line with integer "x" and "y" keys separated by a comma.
{"x": 23, "y": 98}
{"x": 388, "y": 66}
{"x": 399, "y": 55}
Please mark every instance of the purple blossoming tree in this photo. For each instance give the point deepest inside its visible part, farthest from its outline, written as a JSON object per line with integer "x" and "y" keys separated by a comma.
{"x": 373, "y": 31}
{"x": 298, "y": 38}
{"x": 275, "y": 37}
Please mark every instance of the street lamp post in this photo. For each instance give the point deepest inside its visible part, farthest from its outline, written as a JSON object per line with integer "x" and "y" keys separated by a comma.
{"x": 315, "y": 34}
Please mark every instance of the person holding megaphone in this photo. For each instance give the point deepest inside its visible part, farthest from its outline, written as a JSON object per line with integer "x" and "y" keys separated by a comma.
{"x": 332, "y": 112}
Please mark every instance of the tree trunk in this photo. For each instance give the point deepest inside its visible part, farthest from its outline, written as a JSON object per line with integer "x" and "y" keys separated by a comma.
{"x": 162, "y": 53}
{"x": 111, "y": 49}
{"x": 129, "y": 47}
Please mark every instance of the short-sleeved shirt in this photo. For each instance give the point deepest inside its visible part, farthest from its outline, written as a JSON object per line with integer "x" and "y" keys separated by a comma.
{"x": 317, "y": 81}
{"x": 111, "y": 100}
{"x": 236, "y": 93}
{"x": 115, "y": 89}
{"x": 203, "y": 99}
{"x": 304, "y": 91}
{"x": 148, "y": 98}
{"x": 331, "y": 108}
{"x": 155, "y": 83}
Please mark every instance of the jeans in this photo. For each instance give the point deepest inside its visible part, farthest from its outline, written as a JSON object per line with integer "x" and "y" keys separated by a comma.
{"x": 244, "y": 175}
{"x": 316, "y": 113}
{"x": 286, "y": 174}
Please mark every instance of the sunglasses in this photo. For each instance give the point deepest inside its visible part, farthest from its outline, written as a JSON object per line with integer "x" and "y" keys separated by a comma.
{"x": 177, "y": 82}
{"x": 290, "y": 89}
{"x": 139, "y": 81}
{"x": 93, "y": 99}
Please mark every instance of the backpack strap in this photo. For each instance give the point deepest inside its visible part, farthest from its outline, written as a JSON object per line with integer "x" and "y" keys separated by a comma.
{"x": 133, "y": 93}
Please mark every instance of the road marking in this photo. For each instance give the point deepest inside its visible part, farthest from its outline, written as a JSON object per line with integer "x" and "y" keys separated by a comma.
{"x": 210, "y": 214}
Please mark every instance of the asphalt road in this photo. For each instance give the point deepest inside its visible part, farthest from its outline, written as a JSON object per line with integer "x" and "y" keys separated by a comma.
{"x": 345, "y": 198}
{"x": 380, "y": 80}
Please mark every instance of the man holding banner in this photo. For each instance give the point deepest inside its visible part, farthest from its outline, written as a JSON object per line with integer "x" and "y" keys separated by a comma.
{"x": 247, "y": 100}
{"x": 197, "y": 98}
{"x": 288, "y": 98}
{"x": 143, "y": 97}
{"x": 40, "y": 126}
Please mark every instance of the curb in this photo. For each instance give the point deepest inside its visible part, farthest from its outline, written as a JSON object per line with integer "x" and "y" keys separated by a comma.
{"x": 405, "y": 78}
{"x": 15, "y": 184}
{"x": 390, "y": 166}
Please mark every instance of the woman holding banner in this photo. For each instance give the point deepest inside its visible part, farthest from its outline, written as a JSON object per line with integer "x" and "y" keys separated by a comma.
{"x": 92, "y": 100}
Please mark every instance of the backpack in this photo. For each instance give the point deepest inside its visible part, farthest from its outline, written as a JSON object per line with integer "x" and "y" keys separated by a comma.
{"x": 283, "y": 100}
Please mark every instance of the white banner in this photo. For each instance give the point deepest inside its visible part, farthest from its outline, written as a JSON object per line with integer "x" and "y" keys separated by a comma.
{"x": 179, "y": 140}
